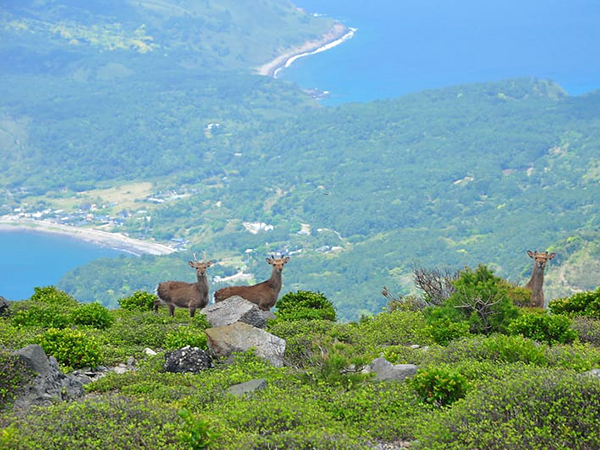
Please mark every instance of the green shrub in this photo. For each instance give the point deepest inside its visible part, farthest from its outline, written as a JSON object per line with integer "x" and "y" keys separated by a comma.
{"x": 445, "y": 324}
{"x": 534, "y": 408}
{"x": 94, "y": 315}
{"x": 15, "y": 375}
{"x": 51, "y": 295}
{"x": 42, "y": 315}
{"x": 139, "y": 300}
{"x": 305, "y": 305}
{"x": 195, "y": 433}
{"x": 541, "y": 327}
{"x": 587, "y": 329}
{"x": 439, "y": 386}
{"x": 389, "y": 328}
{"x": 580, "y": 304}
{"x": 520, "y": 296}
{"x": 184, "y": 336}
{"x": 72, "y": 348}
{"x": 483, "y": 299}
{"x": 107, "y": 422}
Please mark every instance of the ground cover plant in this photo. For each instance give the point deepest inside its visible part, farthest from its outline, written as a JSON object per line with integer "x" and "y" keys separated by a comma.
{"x": 516, "y": 376}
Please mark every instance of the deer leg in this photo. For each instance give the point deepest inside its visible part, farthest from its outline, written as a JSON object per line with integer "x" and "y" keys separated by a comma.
{"x": 192, "y": 311}
{"x": 156, "y": 303}
{"x": 172, "y": 310}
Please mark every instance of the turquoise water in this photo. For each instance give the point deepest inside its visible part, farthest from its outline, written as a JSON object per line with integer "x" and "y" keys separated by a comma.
{"x": 30, "y": 259}
{"x": 404, "y": 46}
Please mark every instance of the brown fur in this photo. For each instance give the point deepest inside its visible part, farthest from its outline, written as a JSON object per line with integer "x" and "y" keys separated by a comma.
{"x": 262, "y": 294}
{"x": 185, "y": 295}
{"x": 536, "y": 282}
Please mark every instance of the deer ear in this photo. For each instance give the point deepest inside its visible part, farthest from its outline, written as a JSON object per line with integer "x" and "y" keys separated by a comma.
{"x": 191, "y": 263}
{"x": 530, "y": 253}
{"x": 269, "y": 261}
{"x": 286, "y": 259}
{"x": 551, "y": 255}
{"x": 209, "y": 263}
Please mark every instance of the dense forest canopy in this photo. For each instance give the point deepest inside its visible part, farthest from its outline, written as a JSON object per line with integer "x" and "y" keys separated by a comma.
{"x": 96, "y": 98}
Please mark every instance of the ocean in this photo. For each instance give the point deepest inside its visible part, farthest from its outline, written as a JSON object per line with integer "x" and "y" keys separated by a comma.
{"x": 29, "y": 259}
{"x": 405, "y": 46}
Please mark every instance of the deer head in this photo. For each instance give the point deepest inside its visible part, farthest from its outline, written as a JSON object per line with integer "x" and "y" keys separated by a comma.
{"x": 278, "y": 263}
{"x": 540, "y": 258}
{"x": 200, "y": 266}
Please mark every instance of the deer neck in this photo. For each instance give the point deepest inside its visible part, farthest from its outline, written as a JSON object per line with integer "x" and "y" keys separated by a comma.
{"x": 275, "y": 280}
{"x": 202, "y": 280}
{"x": 537, "y": 278}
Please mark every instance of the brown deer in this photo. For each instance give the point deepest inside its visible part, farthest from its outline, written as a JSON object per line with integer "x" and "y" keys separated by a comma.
{"x": 185, "y": 295}
{"x": 263, "y": 294}
{"x": 536, "y": 282}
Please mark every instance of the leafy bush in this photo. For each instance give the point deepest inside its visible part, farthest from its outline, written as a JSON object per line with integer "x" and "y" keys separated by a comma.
{"x": 33, "y": 314}
{"x": 108, "y": 422}
{"x": 445, "y": 324}
{"x": 94, "y": 315}
{"x": 580, "y": 304}
{"x": 587, "y": 329}
{"x": 439, "y": 386}
{"x": 543, "y": 327}
{"x": 520, "y": 296}
{"x": 72, "y": 348}
{"x": 15, "y": 374}
{"x": 195, "y": 432}
{"x": 51, "y": 295}
{"x": 483, "y": 299}
{"x": 535, "y": 408}
{"x": 183, "y": 336}
{"x": 305, "y": 305}
{"x": 139, "y": 300}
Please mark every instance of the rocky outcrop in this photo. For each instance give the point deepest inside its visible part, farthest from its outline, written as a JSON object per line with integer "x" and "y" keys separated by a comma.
{"x": 49, "y": 385}
{"x": 187, "y": 359}
{"x": 248, "y": 387}
{"x": 236, "y": 309}
{"x": 385, "y": 370}
{"x": 4, "y": 307}
{"x": 240, "y": 337}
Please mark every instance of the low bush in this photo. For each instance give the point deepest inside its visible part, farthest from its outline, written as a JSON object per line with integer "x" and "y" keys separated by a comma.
{"x": 32, "y": 314}
{"x": 580, "y": 304}
{"x": 51, "y": 295}
{"x": 139, "y": 300}
{"x": 541, "y": 327}
{"x": 305, "y": 305}
{"x": 587, "y": 329}
{"x": 94, "y": 315}
{"x": 439, "y": 386}
{"x": 535, "y": 409}
{"x": 445, "y": 324}
{"x": 184, "y": 336}
{"x": 71, "y": 348}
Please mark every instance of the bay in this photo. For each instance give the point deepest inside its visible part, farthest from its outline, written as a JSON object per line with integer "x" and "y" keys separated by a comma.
{"x": 30, "y": 259}
{"x": 405, "y": 46}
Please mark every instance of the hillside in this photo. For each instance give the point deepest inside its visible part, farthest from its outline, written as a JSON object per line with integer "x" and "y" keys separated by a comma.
{"x": 136, "y": 121}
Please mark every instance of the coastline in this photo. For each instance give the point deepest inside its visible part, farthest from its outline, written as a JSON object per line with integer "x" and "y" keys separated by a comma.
{"x": 117, "y": 241}
{"x": 337, "y": 35}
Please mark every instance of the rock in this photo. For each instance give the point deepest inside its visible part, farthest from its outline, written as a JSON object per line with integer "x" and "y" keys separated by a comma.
{"x": 239, "y": 337}
{"x": 49, "y": 384}
{"x": 4, "y": 307}
{"x": 236, "y": 309}
{"x": 187, "y": 359}
{"x": 593, "y": 373}
{"x": 248, "y": 387}
{"x": 150, "y": 352}
{"x": 385, "y": 370}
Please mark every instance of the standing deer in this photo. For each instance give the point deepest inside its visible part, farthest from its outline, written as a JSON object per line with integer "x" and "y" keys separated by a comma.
{"x": 185, "y": 295}
{"x": 263, "y": 294}
{"x": 536, "y": 282}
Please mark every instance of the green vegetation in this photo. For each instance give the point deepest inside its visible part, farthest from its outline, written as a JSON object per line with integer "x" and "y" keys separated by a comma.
{"x": 305, "y": 305}
{"x": 481, "y": 388}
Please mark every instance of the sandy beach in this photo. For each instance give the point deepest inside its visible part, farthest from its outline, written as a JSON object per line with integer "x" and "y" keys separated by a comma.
{"x": 97, "y": 237}
{"x": 338, "y": 34}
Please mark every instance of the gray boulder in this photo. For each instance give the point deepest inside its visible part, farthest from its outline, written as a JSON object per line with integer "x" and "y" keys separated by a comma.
{"x": 248, "y": 387}
{"x": 239, "y": 337}
{"x": 385, "y": 370}
{"x": 49, "y": 384}
{"x": 187, "y": 359}
{"x": 4, "y": 307}
{"x": 236, "y": 309}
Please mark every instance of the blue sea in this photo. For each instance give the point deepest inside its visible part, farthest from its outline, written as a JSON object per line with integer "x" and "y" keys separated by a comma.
{"x": 29, "y": 260}
{"x": 404, "y": 46}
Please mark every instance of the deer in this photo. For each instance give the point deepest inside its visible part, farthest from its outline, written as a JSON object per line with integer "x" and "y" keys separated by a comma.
{"x": 536, "y": 282}
{"x": 185, "y": 295}
{"x": 262, "y": 294}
